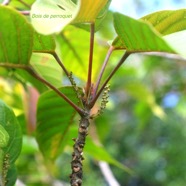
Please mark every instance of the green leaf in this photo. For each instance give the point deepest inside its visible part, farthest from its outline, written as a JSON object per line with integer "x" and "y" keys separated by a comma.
{"x": 21, "y": 6}
{"x": 4, "y": 137}
{"x": 48, "y": 16}
{"x": 167, "y": 21}
{"x": 10, "y": 152}
{"x": 54, "y": 118}
{"x": 74, "y": 55}
{"x": 25, "y": 77}
{"x": 16, "y": 38}
{"x": 43, "y": 44}
{"x": 177, "y": 42}
{"x": 98, "y": 21}
{"x": 46, "y": 66}
{"x": 89, "y": 10}
{"x": 9, "y": 121}
{"x": 12, "y": 175}
{"x": 137, "y": 36}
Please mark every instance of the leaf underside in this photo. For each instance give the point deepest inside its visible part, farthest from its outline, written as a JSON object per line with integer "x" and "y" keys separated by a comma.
{"x": 137, "y": 36}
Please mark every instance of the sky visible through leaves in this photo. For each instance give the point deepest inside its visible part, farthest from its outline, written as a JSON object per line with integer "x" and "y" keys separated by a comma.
{"x": 139, "y": 8}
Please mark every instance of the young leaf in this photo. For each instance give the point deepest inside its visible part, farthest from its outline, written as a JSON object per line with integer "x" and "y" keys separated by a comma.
{"x": 137, "y": 36}
{"x": 54, "y": 117}
{"x": 167, "y": 21}
{"x": 74, "y": 55}
{"x": 177, "y": 42}
{"x": 89, "y": 10}
{"x": 16, "y": 38}
{"x": 98, "y": 20}
{"x": 48, "y": 16}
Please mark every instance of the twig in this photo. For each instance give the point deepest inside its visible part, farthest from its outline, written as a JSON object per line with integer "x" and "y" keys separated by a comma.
{"x": 59, "y": 183}
{"x": 69, "y": 76}
{"x": 89, "y": 78}
{"x": 34, "y": 74}
{"x": 60, "y": 63}
{"x": 25, "y": 12}
{"x": 103, "y": 69}
{"x": 107, "y": 173}
{"x": 124, "y": 57}
{"x": 19, "y": 183}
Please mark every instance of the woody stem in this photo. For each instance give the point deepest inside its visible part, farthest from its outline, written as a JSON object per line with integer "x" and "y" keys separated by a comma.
{"x": 77, "y": 155}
